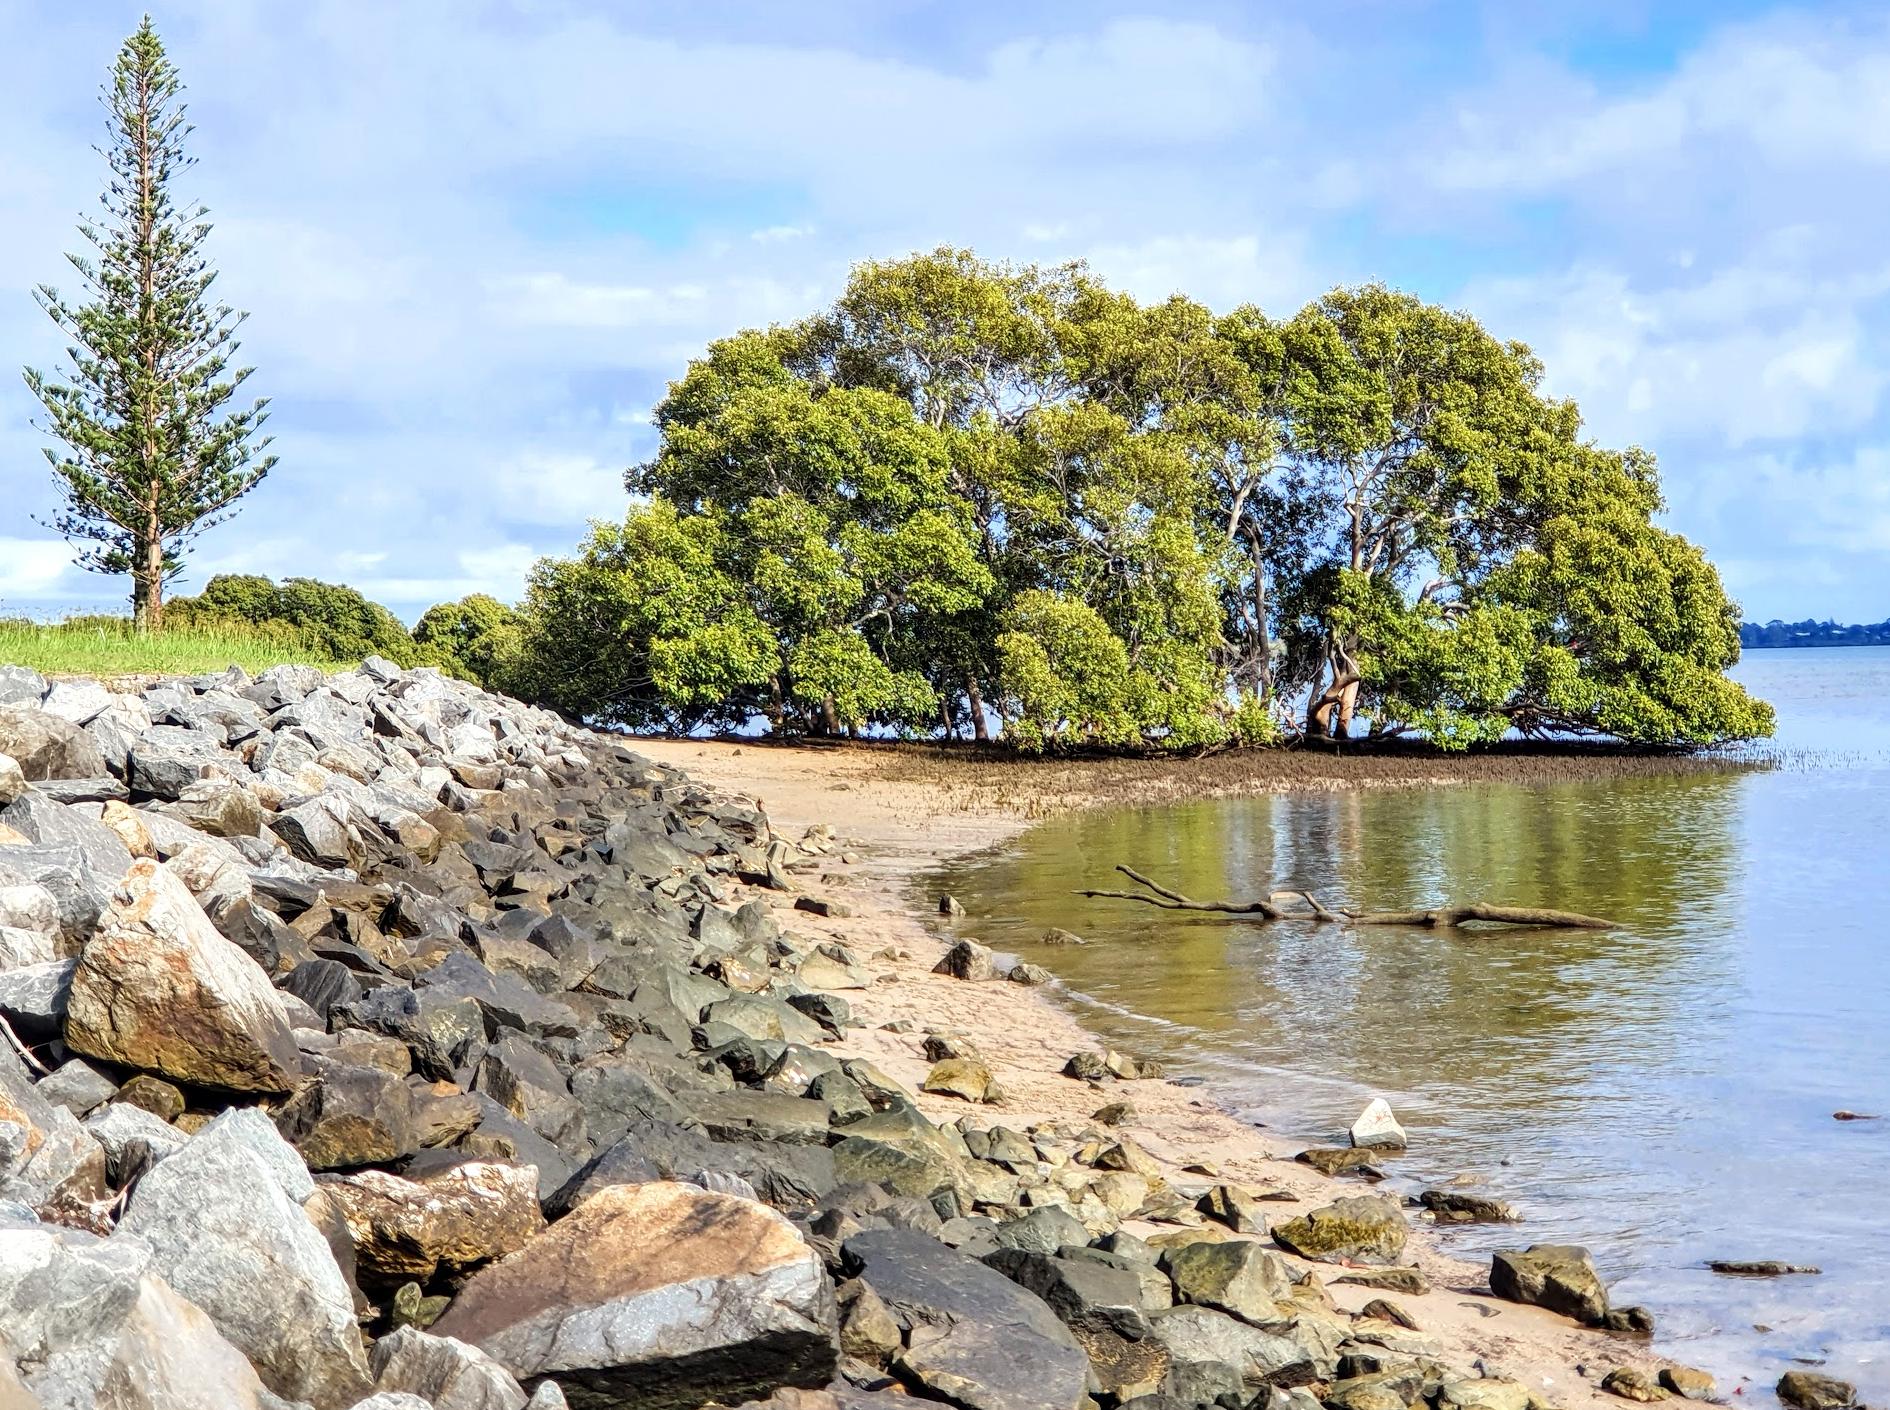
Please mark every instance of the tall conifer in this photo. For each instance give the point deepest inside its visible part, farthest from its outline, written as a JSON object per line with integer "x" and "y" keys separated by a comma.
{"x": 153, "y": 452}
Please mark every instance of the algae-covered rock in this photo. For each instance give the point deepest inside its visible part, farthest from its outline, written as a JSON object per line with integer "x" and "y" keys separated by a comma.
{"x": 1361, "y": 1228}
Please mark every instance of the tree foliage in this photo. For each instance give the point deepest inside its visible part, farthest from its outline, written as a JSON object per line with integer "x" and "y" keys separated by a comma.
{"x": 336, "y": 621}
{"x": 972, "y": 492}
{"x": 154, "y": 453}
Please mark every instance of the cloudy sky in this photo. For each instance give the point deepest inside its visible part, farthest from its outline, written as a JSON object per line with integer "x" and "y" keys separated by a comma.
{"x": 476, "y": 239}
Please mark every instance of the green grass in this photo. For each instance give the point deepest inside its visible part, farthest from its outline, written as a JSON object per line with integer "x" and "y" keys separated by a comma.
{"x": 108, "y": 646}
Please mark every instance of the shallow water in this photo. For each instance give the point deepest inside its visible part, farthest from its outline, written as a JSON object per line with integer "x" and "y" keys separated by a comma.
{"x": 1662, "y": 1093}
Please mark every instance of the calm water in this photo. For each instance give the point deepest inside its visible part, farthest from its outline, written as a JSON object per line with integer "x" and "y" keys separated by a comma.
{"x": 1662, "y": 1093}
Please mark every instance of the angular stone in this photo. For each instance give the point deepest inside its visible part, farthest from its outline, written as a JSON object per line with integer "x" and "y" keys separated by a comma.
{"x": 225, "y": 1233}
{"x": 317, "y": 832}
{"x": 220, "y": 808}
{"x": 33, "y": 998}
{"x": 158, "y": 988}
{"x": 1259, "y": 1358}
{"x": 95, "y": 1328}
{"x": 975, "y": 1335}
{"x": 1238, "y": 1209}
{"x": 1236, "y": 1276}
{"x": 1377, "y": 1128}
{"x": 1362, "y": 1228}
{"x": 443, "y": 1373}
{"x": 661, "y": 1295}
{"x": 46, "y": 746}
{"x": 349, "y": 1115}
{"x": 447, "y": 1222}
{"x": 1560, "y": 1277}
{"x": 77, "y": 1086}
{"x": 967, "y": 960}
{"x": 79, "y": 702}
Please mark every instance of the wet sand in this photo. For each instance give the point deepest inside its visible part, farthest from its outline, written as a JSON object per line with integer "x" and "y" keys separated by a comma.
{"x": 900, "y": 813}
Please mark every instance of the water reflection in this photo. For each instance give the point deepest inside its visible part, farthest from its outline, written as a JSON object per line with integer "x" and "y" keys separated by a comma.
{"x": 1662, "y": 1092}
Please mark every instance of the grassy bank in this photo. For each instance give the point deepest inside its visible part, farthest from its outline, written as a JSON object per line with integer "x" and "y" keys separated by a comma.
{"x": 108, "y": 646}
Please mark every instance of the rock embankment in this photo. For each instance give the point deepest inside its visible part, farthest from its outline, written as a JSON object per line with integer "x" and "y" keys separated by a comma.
{"x": 374, "y": 1043}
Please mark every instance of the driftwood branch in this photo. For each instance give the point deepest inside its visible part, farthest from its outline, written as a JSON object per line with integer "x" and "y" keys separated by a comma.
{"x": 1303, "y": 905}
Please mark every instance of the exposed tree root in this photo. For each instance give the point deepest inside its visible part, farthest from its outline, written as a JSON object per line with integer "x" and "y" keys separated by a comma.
{"x": 1308, "y": 907}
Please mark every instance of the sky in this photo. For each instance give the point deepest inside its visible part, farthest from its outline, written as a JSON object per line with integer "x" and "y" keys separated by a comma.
{"x": 476, "y": 240}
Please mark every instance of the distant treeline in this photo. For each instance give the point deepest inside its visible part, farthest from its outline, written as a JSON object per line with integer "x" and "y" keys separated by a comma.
{"x": 1810, "y": 633}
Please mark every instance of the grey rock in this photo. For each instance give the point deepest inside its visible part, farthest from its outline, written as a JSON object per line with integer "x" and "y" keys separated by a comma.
{"x": 224, "y": 1232}
{"x": 97, "y": 1328}
{"x": 1258, "y": 1357}
{"x": 1003, "y": 1345}
{"x": 77, "y": 1086}
{"x": 133, "y": 1139}
{"x": 33, "y": 998}
{"x": 444, "y": 1373}
{"x": 46, "y": 746}
{"x": 21, "y": 685}
{"x": 76, "y": 702}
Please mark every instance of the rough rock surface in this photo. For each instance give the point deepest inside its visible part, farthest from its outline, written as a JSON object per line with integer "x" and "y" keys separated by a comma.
{"x": 660, "y": 1294}
{"x": 1560, "y": 1277}
{"x": 158, "y": 988}
{"x": 226, "y": 1232}
{"x": 451, "y": 1221}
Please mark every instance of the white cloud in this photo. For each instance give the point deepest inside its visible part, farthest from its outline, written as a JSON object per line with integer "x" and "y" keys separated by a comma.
{"x": 557, "y": 490}
{"x": 33, "y": 568}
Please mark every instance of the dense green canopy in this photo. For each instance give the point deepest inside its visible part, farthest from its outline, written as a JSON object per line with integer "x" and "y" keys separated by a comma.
{"x": 971, "y": 491}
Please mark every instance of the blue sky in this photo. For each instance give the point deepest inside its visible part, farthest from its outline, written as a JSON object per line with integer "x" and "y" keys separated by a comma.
{"x": 477, "y": 239}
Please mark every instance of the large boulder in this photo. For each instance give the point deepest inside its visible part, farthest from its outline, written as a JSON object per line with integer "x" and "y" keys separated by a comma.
{"x": 1560, "y": 1277}
{"x": 223, "y": 1222}
{"x": 92, "y": 1326}
{"x": 661, "y": 1295}
{"x": 1235, "y": 1276}
{"x": 158, "y": 988}
{"x": 1359, "y": 1229}
{"x": 972, "y": 1334}
{"x": 46, "y": 746}
{"x": 446, "y": 1222}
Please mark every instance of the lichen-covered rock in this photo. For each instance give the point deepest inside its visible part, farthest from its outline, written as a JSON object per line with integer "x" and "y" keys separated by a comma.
{"x": 1811, "y": 1390}
{"x": 1361, "y": 1228}
{"x": 663, "y": 1295}
{"x": 158, "y": 988}
{"x": 1235, "y": 1276}
{"x": 1560, "y": 1277}
{"x": 964, "y": 1077}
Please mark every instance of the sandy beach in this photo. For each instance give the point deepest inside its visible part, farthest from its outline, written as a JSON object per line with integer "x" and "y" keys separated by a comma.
{"x": 895, "y": 820}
